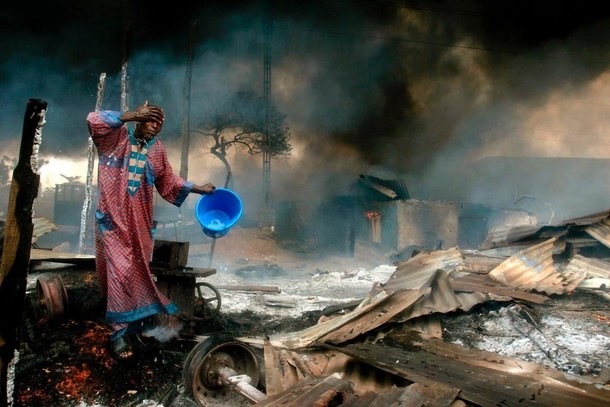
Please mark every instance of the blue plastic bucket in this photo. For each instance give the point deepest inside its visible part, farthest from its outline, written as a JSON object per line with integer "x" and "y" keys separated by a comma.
{"x": 218, "y": 212}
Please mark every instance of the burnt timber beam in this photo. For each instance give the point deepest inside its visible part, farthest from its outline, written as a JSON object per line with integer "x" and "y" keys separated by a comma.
{"x": 18, "y": 239}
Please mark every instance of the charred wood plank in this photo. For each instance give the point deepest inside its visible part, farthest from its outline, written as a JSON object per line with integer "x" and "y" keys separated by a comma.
{"x": 279, "y": 301}
{"x": 261, "y": 288}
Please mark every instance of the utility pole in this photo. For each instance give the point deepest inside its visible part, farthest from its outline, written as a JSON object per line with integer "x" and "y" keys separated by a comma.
{"x": 186, "y": 126}
{"x": 184, "y": 162}
{"x": 267, "y": 219}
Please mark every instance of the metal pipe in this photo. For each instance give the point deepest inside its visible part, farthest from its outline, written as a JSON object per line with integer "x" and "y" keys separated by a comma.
{"x": 241, "y": 384}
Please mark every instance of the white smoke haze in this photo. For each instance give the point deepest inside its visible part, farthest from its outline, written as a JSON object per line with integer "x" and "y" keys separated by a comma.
{"x": 466, "y": 102}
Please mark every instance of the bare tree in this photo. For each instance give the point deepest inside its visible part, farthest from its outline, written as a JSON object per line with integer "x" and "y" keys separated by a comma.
{"x": 239, "y": 120}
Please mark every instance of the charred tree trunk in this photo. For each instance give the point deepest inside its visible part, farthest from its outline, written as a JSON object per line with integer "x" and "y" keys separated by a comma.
{"x": 18, "y": 240}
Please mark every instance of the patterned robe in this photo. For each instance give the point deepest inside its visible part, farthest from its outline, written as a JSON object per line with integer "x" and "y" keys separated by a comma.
{"x": 127, "y": 176}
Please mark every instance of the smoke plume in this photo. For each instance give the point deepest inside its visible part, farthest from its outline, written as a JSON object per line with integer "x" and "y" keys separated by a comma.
{"x": 431, "y": 93}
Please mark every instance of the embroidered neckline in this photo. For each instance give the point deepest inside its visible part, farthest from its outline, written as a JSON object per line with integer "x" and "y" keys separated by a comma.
{"x": 137, "y": 163}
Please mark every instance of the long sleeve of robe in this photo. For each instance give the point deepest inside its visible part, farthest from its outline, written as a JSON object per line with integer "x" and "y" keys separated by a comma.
{"x": 127, "y": 176}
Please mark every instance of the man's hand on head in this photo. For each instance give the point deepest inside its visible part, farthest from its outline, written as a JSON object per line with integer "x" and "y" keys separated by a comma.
{"x": 144, "y": 113}
{"x": 149, "y": 113}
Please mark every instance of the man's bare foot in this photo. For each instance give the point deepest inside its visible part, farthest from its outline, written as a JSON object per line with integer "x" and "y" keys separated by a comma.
{"x": 121, "y": 349}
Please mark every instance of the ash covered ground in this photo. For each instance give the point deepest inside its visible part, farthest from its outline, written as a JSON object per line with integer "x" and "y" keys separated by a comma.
{"x": 65, "y": 361}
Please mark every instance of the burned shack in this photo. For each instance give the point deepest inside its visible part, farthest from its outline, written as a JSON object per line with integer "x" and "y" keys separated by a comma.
{"x": 381, "y": 215}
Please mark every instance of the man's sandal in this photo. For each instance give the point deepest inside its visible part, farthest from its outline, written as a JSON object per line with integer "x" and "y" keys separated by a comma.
{"x": 121, "y": 349}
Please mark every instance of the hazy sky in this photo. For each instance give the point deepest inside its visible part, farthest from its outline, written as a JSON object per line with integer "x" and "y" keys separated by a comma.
{"x": 419, "y": 91}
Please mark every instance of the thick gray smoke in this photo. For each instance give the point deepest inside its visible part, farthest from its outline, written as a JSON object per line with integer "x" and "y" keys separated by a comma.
{"x": 426, "y": 92}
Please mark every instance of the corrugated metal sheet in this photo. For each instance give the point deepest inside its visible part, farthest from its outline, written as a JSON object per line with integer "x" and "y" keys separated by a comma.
{"x": 390, "y": 194}
{"x": 505, "y": 251}
{"x": 393, "y": 189}
{"x": 307, "y": 336}
{"x": 419, "y": 270}
{"x": 587, "y": 219}
{"x": 477, "y": 263}
{"x": 400, "y": 188}
{"x": 321, "y": 391}
{"x": 485, "y": 284}
{"x": 442, "y": 281}
{"x": 285, "y": 368}
{"x": 600, "y": 231}
{"x": 579, "y": 268}
{"x": 374, "y": 318}
{"x": 591, "y": 266}
{"x": 484, "y": 379}
{"x": 440, "y": 298}
{"x": 505, "y": 235}
{"x": 42, "y": 226}
{"x": 469, "y": 300}
{"x": 532, "y": 269}
{"x": 430, "y": 283}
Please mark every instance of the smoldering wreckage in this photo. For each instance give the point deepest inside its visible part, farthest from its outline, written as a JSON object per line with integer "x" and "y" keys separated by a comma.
{"x": 522, "y": 319}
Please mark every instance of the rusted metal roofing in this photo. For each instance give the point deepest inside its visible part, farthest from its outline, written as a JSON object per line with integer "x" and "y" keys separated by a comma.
{"x": 335, "y": 390}
{"x": 477, "y": 263}
{"x": 470, "y": 299}
{"x": 600, "y": 231}
{"x": 315, "y": 391}
{"x": 379, "y": 188}
{"x": 483, "y": 378}
{"x": 503, "y": 236}
{"x": 374, "y": 318}
{"x": 532, "y": 269}
{"x": 524, "y": 235}
{"x": 592, "y": 267}
{"x": 440, "y": 298}
{"x": 418, "y": 270}
{"x": 581, "y": 268}
{"x": 392, "y": 189}
{"x": 301, "y": 367}
{"x": 429, "y": 283}
{"x": 485, "y": 284}
{"x": 309, "y": 335}
{"x": 587, "y": 219}
{"x": 42, "y": 226}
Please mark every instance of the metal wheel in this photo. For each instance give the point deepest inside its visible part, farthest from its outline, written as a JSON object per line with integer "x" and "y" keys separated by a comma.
{"x": 200, "y": 372}
{"x": 207, "y": 301}
{"x": 52, "y": 296}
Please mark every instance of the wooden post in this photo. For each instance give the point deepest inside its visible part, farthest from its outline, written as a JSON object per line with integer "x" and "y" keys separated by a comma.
{"x": 18, "y": 240}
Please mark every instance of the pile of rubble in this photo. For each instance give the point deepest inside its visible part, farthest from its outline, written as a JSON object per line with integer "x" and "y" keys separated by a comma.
{"x": 523, "y": 320}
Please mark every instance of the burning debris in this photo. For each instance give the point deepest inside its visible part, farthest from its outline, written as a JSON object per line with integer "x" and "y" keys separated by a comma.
{"x": 524, "y": 321}
{"x": 386, "y": 344}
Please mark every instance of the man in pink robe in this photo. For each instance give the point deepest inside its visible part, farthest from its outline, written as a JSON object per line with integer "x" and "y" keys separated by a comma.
{"x": 132, "y": 163}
